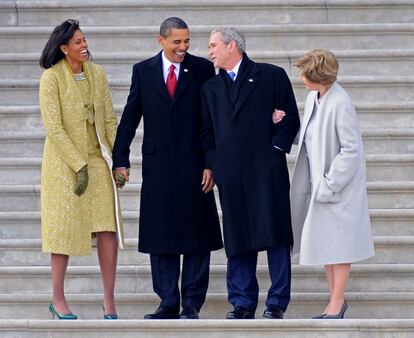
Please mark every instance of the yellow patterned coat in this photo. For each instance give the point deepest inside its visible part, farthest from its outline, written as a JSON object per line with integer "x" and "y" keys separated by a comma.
{"x": 66, "y": 217}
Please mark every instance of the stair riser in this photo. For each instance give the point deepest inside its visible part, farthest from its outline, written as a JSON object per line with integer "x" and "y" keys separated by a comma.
{"x": 382, "y": 171}
{"x": 91, "y": 283}
{"x": 213, "y": 309}
{"x": 130, "y": 200}
{"x": 368, "y": 92}
{"x": 384, "y": 254}
{"x": 139, "y": 40}
{"x": 368, "y": 119}
{"x": 30, "y": 229}
{"x": 210, "y": 332}
{"x": 117, "y": 68}
{"x": 373, "y": 144}
{"x": 233, "y": 13}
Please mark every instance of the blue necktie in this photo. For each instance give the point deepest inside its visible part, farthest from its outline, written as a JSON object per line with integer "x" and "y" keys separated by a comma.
{"x": 232, "y": 75}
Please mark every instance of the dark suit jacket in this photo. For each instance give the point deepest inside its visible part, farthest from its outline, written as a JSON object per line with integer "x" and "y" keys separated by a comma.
{"x": 239, "y": 136}
{"x": 175, "y": 215}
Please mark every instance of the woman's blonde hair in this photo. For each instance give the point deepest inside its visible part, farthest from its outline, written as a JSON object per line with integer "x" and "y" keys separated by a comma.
{"x": 319, "y": 66}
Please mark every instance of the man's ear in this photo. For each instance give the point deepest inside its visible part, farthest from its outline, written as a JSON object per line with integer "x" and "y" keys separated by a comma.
{"x": 232, "y": 46}
{"x": 160, "y": 40}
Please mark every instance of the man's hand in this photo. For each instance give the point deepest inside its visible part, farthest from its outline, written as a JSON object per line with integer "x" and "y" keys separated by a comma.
{"x": 278, "y": 116}
{"x": 208, "y": 180}
{"x": 121, "y": 176}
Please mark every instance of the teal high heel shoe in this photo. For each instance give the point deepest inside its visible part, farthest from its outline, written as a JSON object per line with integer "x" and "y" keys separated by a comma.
{"x": 112, "y": 316}
{"x": 67, "y": 316}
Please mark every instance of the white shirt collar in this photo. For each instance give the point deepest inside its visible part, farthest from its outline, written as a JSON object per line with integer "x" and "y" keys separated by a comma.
{"x": 235, "y": 70}
{"x": 166, "y": 64}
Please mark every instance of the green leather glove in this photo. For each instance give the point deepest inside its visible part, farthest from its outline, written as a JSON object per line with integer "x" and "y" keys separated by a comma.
{"x": 82, "y": 182}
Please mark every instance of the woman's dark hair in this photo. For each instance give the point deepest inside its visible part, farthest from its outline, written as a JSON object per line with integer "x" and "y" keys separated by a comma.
{"x": 61, "y": 35}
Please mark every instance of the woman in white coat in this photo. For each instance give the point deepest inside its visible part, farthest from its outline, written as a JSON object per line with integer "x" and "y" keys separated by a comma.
{"x": 330, "y": 215}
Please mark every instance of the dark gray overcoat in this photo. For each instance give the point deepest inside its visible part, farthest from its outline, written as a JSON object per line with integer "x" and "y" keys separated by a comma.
{"x": 176, "y": 217}
{"x": 239, "y": 138}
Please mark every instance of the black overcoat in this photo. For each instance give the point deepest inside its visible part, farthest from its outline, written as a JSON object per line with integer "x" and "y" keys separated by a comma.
{"x": 239, "y": 138}
{"x": 176, "y": 217}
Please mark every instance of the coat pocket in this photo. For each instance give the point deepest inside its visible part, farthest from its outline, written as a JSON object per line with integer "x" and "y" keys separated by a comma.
{"x": 148, "y": 148}
{"x": 325, "y": 194}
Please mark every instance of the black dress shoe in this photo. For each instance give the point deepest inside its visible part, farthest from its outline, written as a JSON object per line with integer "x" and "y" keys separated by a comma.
{"x": 163, "y": 312}
{"x": 240, "y": 313}
{"x": 189, "y": 312}
{"x": 273, "y": 312}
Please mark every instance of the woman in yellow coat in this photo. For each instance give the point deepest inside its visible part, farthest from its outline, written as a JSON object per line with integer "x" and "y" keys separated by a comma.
{"x": 78, "y": 197}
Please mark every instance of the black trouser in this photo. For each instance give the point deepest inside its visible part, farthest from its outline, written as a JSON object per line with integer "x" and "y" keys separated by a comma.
{"x": 194, "y": 279}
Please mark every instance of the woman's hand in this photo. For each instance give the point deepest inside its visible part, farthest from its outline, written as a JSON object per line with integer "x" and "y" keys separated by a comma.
{"x": 82, "y": 180}
{"x": 278, "y": 116}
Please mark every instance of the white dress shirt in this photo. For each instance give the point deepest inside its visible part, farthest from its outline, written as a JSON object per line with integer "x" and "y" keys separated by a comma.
{"x": 235, "y": 70}
{"x": 166, "y": 64}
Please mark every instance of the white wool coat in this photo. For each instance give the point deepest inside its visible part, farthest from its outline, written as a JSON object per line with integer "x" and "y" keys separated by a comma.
{"x": 330, "y": 218}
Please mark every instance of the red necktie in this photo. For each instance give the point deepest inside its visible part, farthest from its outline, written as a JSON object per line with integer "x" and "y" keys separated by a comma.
{"x": 171, "y": 81}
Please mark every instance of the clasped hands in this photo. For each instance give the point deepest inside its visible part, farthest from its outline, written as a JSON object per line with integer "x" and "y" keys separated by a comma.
{"x": 121, "y": 176}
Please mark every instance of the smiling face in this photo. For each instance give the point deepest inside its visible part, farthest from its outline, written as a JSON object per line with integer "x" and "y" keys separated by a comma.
{"x": 76, "y": 51}
{"x": 176, "y": 44}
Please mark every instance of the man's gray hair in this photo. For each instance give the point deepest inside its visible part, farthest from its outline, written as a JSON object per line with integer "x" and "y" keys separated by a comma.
{"x": 229, "y": 34}
{"x": 172, "y": 22}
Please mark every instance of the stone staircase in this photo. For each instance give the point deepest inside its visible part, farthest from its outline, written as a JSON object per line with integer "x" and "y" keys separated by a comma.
{"x": 373, "y": 40}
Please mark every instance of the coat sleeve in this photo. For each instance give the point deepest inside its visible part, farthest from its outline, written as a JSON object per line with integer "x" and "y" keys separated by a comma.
{"x": 129, "y": 123}
{"x": 207, "y": 135}
{"x": 286, "y": 130}
{"x": 110, "y": 116}
{"x": 346, "y": 162}
{"x": 52, "y": 120}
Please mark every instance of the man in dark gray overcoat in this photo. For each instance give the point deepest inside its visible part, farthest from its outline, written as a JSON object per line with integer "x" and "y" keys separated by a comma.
{"x": 178, "y": 214}
{"x": 248, "y": 155}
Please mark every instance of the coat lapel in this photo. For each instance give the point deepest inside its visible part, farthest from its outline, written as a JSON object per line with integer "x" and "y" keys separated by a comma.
{"x": 184, "y": 79}
{"x": 221, "y": 91}
{"x": 310, "y": 101}
{"x": 249, "y": 78}
{"x": 72, "y": 87}
{"x": 156, "y": 76}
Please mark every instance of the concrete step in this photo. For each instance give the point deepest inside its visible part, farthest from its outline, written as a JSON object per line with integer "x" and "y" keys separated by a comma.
{"x": 130, "y": 279}
{"x": 381, "y": 62}
{"x": 376, "y": 141}
{"x": 360, "y": 88}
{"x": 258, "y": 328}
{"x": 27, "y": 252}
{"x": 371, "y": 115}
{"x": 386, "y": 305}
{"x": 381, "y": 195}
{"x": 275, "y": 37}
{"x": 26, "y": 224}
{"x": 15, "y": 171}
{"x": 218, "y": 12}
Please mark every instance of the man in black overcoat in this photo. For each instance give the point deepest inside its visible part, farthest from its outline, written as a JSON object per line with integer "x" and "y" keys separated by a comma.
{"x": 178, "y": 214}
{"x": 248, "y": 155}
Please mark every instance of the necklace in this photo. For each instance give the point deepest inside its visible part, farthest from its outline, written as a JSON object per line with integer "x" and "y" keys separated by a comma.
{"x": 80, "y": 76}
